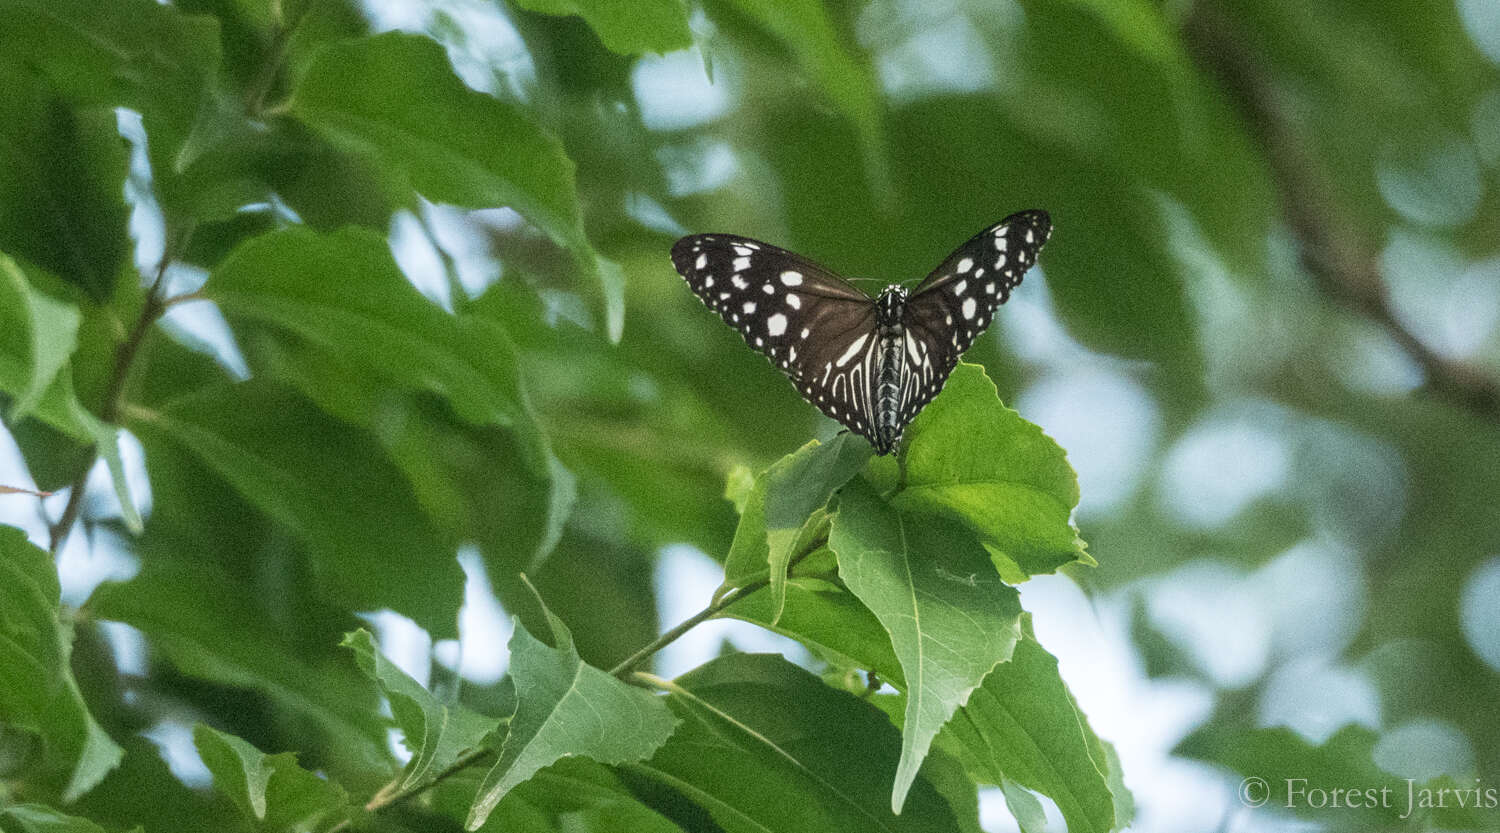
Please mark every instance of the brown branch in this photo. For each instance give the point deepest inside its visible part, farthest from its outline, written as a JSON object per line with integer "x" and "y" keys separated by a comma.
{"x": 1344, "y": 266}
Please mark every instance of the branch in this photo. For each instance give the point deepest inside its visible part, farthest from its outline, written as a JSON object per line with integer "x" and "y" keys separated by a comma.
{"x": 1344, "y": 266}
{"x": 114, "y": 394}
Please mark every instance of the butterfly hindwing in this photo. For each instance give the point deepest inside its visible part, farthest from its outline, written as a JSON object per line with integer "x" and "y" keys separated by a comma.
{"x": 956, "y": 302}
{"x": 813, "y": 325}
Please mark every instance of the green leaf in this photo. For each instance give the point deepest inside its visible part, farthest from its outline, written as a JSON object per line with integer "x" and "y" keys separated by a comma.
{"x": 437, "y": 734}
{"x": 50, "y": 328}
{"x": 38, "y": 693}
{"x": 37, "y": 818}
{"x": 950, "y": 618}
{"x": 198, "y": 617}
{"x": 1021, "y": 725}
{"x": 395, "y": 98}
{"x": 566, "y": 708}
{"x": 779, "y": 515}
{"x": 38, "y": 335}
{"x": 626, "y": 28}
{"x": 346, "y": 325}
{"x": 765, "y": 745}
{"x": 139, "y": 54}
{"x": 62, "y": 188}
{"x": 326, "y": 483}
{"x": 830, "y": 621}
{"x": 272, "y": 790}
{"x": 1024, "y": 806}
{"x": 974, "y": 460}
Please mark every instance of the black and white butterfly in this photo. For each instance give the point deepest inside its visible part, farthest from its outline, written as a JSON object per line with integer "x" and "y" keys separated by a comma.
{"x": 870, "y": 363}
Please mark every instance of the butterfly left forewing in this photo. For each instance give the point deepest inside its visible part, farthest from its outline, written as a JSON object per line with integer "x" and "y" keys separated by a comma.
{"x": 957, "y": 301}
{"x": 813, "y": 325}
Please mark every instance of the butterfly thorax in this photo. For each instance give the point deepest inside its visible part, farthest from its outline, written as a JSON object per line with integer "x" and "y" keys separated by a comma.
{"x": 890, "y": 307}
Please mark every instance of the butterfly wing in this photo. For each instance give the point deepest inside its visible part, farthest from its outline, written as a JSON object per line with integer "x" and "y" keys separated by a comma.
{"x": 813, "y": 325}
{"x": 955, "y": 303}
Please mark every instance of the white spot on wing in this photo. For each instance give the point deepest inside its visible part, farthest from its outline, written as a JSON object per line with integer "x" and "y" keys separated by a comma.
{"x": 749, "y": 307}
{"x": 969, "y": 305}
{"x": 959, "y": 289}
{"x": 701, "y": 262}
{"x": 963, "y": 265}
{"x": 793, "y": 300}
{"x": 741, "y": 250}
{"x": 791, "y": 278}
{"x": 741, "y": 264}
{"x": 739, "y": 282}
{"x": 776, "y": 325}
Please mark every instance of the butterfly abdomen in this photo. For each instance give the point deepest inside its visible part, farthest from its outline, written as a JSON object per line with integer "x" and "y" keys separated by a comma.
{"x": 889, "y": 309}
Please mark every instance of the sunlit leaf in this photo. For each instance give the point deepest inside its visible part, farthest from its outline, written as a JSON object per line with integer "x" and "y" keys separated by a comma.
{"x": 566, "y": 708}
{"x": 950, "y": 618}
{"x": 39, "y": 818}
{"x": 779, "y": 514}
{"x": 974, "y": 460}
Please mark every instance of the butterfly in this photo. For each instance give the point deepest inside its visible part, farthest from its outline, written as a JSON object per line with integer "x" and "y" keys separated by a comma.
{"x": 870, "y": 363}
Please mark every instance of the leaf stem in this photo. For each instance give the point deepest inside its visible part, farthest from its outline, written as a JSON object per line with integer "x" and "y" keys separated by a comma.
{"x": 387, "y": 797}
{"x": 624, "y": 669}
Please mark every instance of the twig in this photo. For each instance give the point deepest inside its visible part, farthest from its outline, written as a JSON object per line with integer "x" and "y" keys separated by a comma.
{"x": 114, "y": 394}
{"x": 387, "y": 798}
{"x": 1344, "y": 266}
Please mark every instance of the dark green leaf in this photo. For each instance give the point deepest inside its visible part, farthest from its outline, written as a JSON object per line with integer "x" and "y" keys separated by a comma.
{"x": 630, "y": 29}
{"x": 62, "y": 188}
{"x": 38, "y": 694}
{"x": 950, "y": 618}
{"x": 436, "y": 733}
{"x": 326, "y": 483}
{"x": 194, "y": 615}
{"x": 765, "y": 745}
{"x": 974, "y": 460}
{"x": 829, "y": 621}
{"x": 133, "y": 53}
{"x": 566, "y": 708}
{"x": 396, "y": 98}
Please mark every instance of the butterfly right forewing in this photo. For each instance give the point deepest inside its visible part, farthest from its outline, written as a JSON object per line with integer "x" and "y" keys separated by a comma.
{"x": 813, "y": 325}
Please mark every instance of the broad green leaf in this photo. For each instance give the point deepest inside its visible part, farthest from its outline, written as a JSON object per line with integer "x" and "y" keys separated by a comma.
{"x": 38, "y": 335}
{"x": 327, "y": 484}
{"x": 765, "y": 745}
{"x": 39, "y": 818}
{"x": 436, "y": 733}
{"x": 197, "y": 617}
{"x": 147, "y": 56}
{"x": 270, "y": 790}
{"x": 950, "y": 618}
{"x": 1021, "y": 725}
{"x": 974, "y": 460}
{"x": 62, "y": 188}
{"x": 780, "y": 514}
{"x": 627, "y": 28}
{"x": 567, "y": 708}
{"x": 829, "y": 621}
{"x": 38, "y": 693}
{"x": 357, "y": 326}
{"x": 395, "y": 98}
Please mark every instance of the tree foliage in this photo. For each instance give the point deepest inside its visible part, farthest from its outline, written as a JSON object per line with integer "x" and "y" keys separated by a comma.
{"x": 367, "y": 299}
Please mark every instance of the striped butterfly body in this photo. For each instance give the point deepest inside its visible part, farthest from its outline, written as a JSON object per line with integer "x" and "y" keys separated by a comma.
{"x": 870, "y": 363}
